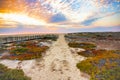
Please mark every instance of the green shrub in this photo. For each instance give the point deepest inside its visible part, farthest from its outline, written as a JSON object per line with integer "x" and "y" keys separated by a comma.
{"x": 103, "y": 66}
{"x": 19, "y": 51}
{"x": 112, "y": 74}
{"x": 12, "y": 74}
{"x": 82, "y": 45}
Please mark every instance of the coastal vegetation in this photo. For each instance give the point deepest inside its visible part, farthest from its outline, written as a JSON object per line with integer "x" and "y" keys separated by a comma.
{"x": 12, "y": 74}
{"x": 82, "y": 45}
{"x": 103, "y": 40}
{"x": 2, "y": 50}
{"x": 97, "y": 35}
{"x": 101, "y": 64}
{"x": 50, "y": 37}
{"x": 102, "y": 53}
{"x": 26, "y": 51}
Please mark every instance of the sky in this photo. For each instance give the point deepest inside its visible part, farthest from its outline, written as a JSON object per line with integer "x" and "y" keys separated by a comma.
{"x": 59, "y": 16}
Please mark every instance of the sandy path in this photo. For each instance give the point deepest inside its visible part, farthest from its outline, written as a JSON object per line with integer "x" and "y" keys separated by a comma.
{"x": 58, "y": 64}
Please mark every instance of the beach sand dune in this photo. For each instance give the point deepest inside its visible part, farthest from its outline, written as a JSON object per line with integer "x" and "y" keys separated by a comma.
{"x": 58, "y": 64}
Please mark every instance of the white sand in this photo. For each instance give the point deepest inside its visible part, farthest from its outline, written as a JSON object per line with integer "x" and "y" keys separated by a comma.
{"x": 58, "y": 64}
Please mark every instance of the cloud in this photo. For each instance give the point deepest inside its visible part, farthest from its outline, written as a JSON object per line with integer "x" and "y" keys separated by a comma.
{"x": 109, "y": 21}
{"x": 2, "y": 2}
{"x": 59, "y": 14}
{"x": 90, "y": 21}
{"x": 58, "y": 18}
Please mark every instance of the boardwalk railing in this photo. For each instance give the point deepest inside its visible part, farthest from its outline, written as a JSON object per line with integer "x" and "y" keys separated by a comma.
{"x": 10, "y": 39}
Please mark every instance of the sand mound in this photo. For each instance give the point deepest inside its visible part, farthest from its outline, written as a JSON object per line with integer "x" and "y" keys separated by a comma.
{"x": 59, "y": 63}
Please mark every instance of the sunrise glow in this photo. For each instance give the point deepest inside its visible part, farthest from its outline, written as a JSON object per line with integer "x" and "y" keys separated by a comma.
{"x": 59, "y": 15}
{"x": 22, "y": 19}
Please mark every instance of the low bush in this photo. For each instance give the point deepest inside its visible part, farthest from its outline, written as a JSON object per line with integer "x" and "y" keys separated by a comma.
{"x": 30, "y": 51}
{"x": 11, "y": 74}
{"x": 100, "y": 64}
{"x": 18, "y": 51}
{"x": 82, "y": 45}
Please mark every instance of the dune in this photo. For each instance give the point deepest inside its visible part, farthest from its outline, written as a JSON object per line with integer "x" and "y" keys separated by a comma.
{"x": 59, "y": 63}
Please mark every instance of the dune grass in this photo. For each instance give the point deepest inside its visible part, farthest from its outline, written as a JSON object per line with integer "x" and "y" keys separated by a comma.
{"x": 11, "y": 74}
{"x": 104, "y": 65}
{"x": 82, "y": 45}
